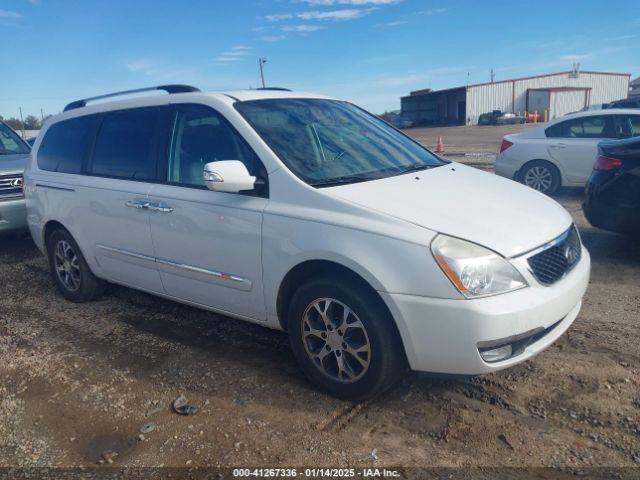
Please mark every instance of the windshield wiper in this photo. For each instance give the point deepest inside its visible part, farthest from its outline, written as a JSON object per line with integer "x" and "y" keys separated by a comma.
{"x": 342, "y": 180}
{"x": 413, "y": 168}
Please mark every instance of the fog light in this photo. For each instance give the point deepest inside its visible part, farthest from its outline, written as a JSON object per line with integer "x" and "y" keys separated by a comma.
{"x": 496, "y": 354}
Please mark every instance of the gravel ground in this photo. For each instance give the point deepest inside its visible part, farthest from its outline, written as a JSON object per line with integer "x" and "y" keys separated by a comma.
{"x": 77, "y": 381}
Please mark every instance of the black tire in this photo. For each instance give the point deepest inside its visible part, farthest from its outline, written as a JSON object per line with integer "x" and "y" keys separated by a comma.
{"x": 386, "y": 360}
{"x": 62, "y": 248}
{"x": 547, "y": 174}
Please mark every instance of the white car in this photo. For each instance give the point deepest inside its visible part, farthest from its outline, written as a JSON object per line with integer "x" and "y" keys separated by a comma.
{"x": 310, "y": 215}
{"x": 562, "y": 152}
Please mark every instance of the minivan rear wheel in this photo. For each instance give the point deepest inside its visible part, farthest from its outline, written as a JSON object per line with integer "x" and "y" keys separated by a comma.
{"x": 541, "y": 175}
{"x": 344, "y": 338}
{"x": 69, "y": 269}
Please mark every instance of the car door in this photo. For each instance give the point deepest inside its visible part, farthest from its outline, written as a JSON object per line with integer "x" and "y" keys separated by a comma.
{"x": 115, "y": 194}
{"x": 573, "y": 144}
{"x": 208, "y": 244}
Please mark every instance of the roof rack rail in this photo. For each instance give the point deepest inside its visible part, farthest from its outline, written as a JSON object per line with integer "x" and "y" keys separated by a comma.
{"x": 275, "y": 88}
{"x": 166, "y": 88}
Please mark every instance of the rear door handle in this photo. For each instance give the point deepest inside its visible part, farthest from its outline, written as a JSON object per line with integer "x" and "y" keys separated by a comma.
{"x": 137, "y": 204}
{"x": 159, "y": 207}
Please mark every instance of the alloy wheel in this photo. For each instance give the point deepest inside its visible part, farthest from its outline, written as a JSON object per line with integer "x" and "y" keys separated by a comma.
{"x": 336, "y": 340}
{"x": 539, "y": 178}
{"x": 67, "y": 265}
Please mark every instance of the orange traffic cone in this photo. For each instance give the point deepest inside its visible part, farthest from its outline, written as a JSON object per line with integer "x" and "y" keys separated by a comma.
{"x": 440, "y": 146}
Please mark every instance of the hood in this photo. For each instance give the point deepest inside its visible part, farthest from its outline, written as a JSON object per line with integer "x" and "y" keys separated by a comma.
{"x": 464, "y": 202}
{"x": 13, "y": 163}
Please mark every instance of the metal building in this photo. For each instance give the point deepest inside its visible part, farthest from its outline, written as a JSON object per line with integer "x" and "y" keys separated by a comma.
{"x": 558, "y": 93}
{"x": 634, "y": 88}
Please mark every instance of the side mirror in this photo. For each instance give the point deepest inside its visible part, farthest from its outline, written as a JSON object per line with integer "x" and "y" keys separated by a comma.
{"x": 228, "y": 176}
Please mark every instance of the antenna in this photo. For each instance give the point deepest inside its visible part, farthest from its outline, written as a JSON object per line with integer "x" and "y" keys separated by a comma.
{"x": 493, "y": 76}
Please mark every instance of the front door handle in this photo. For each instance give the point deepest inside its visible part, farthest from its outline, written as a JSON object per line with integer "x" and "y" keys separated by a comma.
{"x": 160, "y": 207}
{"x": 559, "y": 145}
{"x": 140, "y": 204}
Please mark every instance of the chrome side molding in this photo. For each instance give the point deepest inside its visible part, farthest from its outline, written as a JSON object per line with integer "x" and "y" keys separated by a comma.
{"x": 233, "y": 281}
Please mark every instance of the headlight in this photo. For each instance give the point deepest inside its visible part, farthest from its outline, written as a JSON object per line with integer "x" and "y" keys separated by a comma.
{"x": 474, "y": 270}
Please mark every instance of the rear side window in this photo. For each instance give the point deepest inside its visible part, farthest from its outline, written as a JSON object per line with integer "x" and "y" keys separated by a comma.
{"x": 124, "y": 146}
{"x": 634, "y": 125}
{"x": 595, "y": 126}
{"x": 64, "y": 145}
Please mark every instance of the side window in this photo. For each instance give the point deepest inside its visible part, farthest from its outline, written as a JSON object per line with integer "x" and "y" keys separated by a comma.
{"x": 555, "y": 131}
{"x": 125, "y": 144}
{"x": 594, "y": 126}
{"x": 634, "y": 124}
{"x": 201, "y": 135}
{"x": 10, "y": 144}
{"x": 64, "y": 145}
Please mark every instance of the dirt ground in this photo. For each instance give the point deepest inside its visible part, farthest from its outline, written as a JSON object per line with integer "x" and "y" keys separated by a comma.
{"x": 80, "y": 380}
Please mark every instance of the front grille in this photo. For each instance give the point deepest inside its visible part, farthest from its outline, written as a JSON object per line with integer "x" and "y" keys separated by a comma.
{"x": 10, "y": 186}
{"x": 555, "y": 261}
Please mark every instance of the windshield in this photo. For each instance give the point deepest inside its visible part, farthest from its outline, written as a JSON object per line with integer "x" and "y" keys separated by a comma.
{"x": 10, "y": 143}
{"x": 328, "y": 142}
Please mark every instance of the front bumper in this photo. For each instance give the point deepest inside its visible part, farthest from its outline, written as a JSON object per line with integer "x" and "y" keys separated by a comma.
{"x": 443, "y": 335}
{"x": 13, "y": 216}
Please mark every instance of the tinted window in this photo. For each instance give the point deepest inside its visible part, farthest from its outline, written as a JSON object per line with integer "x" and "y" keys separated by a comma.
{"x": 200, "y": 136}
{"x": 124, "y": 147}
{"x": 64, "y": 145}
{"x": 10, "y": 143}
{"x": 595, "y": 126}
{"x": 326, "y": 142}
{"x": 632, "y": 125}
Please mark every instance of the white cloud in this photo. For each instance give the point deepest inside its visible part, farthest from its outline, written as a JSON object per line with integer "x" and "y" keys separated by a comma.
{"x": 397, "y": 23}
{"x": 143, "y": 65}
{"x": 575, "y": 57}
{"x": 272, "y": 38}
{"x": 146, "y": 66}
{"x": 301, "y": 28}
{"x": 279, "y": 16}
{"x": 328, "y": 3}
{"x": 621, "y": 37}
{"x": 226, "y": 59}
{"x": 433, "y": 11}
{"x": 234, "y": 54}
{"x": 345, "y": 14}
{"x": 9, "y": 14}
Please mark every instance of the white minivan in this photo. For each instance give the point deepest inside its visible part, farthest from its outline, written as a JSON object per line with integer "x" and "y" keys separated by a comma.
{"x": 306, "y": 214}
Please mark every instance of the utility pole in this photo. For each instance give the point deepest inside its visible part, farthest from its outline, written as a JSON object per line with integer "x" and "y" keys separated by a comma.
{"x": 261, "y": 62}
{"x": 493, "y": 76}
{"x": 22, "y": 122}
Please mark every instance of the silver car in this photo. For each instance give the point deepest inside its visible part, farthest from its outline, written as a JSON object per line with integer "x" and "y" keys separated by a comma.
{"x": 14, "y": 153}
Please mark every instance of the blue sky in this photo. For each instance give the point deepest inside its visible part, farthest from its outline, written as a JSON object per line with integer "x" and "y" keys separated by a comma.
{"x": 368, "y": 51}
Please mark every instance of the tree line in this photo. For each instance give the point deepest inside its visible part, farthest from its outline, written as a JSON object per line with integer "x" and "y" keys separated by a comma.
{"x": 31, "y": 122}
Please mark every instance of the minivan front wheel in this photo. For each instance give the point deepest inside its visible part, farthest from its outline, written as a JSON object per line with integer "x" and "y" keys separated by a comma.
{"x": 69, "y": 269}
{"x": 344, "y": 339}
{"x": 541, "y": 175}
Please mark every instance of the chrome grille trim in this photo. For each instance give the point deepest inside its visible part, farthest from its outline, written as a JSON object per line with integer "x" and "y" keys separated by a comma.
{"x": 11, "y": 186}
{"x": 554, "y": 260}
